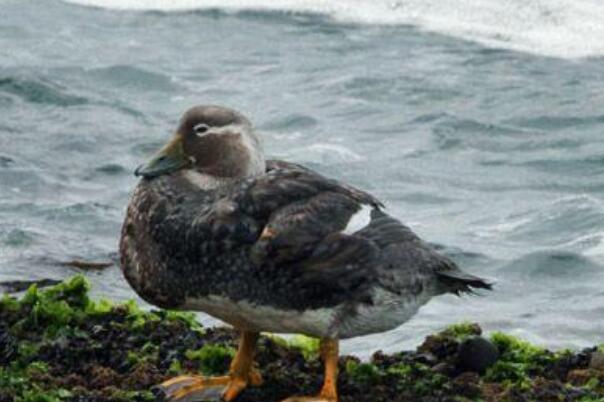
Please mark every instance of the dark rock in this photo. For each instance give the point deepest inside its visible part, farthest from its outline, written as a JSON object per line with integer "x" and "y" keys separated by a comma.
{"x": 86, "y": 265}
{"x": 581, "y": 377}
{"x": 559, "y": 368}
{"x": 425, "y": 358}
{"x": 597, "y": 361}
{"x": 548, "y": 391}
{"x": 8, "y": 345}
{"x": 444, "y": 369}
{"x": 467, "y": 385}
{"x": 441, "y": 347}
{"x": 476, "y": 354}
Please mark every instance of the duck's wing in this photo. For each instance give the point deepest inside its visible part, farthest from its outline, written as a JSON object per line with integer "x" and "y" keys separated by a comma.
{"x": 308, "y": 225}
{"x": 333, "y": 232}
{"x": 285, "y": 181}
{"x": 414, "y": 261}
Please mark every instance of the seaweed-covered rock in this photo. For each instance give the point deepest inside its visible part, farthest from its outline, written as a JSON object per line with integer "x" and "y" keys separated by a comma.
{"x": 59, "y": 345}
{"x": 8, "y": 345}
{"x": 597, "y": 361}
{"x": 19, "y": 286}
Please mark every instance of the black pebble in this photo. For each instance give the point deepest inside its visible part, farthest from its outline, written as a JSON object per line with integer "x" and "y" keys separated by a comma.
{"x": 476, "y": 354}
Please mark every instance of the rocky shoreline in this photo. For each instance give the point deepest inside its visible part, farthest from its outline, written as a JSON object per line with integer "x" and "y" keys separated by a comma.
{"x": 59, "y": 345}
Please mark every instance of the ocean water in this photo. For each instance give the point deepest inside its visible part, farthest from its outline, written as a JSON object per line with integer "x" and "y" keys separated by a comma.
{"x": 480, "y": 123}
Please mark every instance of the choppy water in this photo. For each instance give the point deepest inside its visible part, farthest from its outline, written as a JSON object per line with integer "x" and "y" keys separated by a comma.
{"x": 480, "y": 123}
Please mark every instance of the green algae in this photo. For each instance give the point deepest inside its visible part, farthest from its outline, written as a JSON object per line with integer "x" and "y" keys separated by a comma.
{"x": 213, "y": 359}
{"x": 56, "y": 306}
{"x": 149, "y": 352}
{"x": 175, "y": 367}
{"x": 128, "y": 395}
{"x": 462, "y": 330}
{"x": 188, "y": 318}
{"x": 518, "y": 360}
{"x": 412, "y": 376}
{"x": 402, "y": 370}
{"x": 418, "y": 377}
{"x": 308, "y": 346}
{"x": 517, "y": 350}
{"x": 9, "y": 303}
{"x": 19, "y": 381}
{"x": 364, "y": 373}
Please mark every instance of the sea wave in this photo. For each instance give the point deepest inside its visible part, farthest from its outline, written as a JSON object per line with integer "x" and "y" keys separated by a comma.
{"x": 557, "y": 28}
{"x": 561, "y": 223}
{"x": 552, "y": 264}
{"x": 39, "y": 91}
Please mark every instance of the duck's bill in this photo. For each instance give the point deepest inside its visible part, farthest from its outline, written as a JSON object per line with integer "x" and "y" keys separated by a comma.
{"x": 169, "y": 159}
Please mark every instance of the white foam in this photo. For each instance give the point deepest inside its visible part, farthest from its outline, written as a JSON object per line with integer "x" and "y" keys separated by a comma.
{"x": 557, "y": 28}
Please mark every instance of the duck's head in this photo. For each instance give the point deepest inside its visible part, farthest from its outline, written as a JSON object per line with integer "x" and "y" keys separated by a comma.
{"x": 212, "y": 140}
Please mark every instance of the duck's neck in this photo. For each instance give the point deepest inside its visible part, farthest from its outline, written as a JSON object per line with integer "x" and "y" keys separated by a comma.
{"x": 205, "y": 181}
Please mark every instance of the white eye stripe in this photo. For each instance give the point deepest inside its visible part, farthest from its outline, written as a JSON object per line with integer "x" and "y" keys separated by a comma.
{"x": 201, "y": 129}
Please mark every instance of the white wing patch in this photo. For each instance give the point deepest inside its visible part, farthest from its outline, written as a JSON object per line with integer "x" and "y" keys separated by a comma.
{"x": 359, "y": 220}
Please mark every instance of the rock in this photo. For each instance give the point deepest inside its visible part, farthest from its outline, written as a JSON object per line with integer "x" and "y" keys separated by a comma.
{"x": 8, "y": 345}
{"x": 581, "y": 377}
{"x": 444, "y": 369}
{"x": 597, "y": 361}
{"x": 476, "y": 354}
{"x": 441, "y": 347}
{"x": 19, "y": 286}
{"x": 425, "y": 358}
{"x": 467, "y": 385}
{"x": 547, "y": 390}
{"x": 86, "y": 265}
{"x": 120, "y": 353}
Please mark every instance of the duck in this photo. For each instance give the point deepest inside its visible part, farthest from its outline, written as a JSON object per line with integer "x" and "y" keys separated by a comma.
{"x": 270, "y": 246}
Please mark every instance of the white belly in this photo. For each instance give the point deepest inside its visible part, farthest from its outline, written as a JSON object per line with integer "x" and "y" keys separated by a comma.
{"x": 251, "y": 317}
{"x": 388, "y": 312}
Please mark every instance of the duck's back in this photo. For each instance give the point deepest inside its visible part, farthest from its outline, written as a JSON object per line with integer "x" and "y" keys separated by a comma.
{"x": 287, "y": 251}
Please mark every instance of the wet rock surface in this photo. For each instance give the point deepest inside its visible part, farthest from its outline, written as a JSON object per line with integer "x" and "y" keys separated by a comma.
{"x": 58, "y": 345}
{"x": 477, "y": 354}
{"x": 19, "y": 286}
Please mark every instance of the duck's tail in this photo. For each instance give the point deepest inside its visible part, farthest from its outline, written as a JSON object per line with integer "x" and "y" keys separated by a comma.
{"x": 458, "y": 282}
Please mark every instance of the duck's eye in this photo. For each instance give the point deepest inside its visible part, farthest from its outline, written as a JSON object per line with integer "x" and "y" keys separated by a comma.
{"x": 201, "y": 128}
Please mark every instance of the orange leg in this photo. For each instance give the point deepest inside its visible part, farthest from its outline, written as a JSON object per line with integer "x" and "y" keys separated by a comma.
{"x": 242, "y": 372}
{"x": 329, "y": 391}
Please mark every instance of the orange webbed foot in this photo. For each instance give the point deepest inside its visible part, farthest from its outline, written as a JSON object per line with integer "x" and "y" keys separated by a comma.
{"x": 238, "y": 384}
{"x": 199, "y": 388}
{"x": 226, "y": 388}
{"x": 194, "y": 388}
